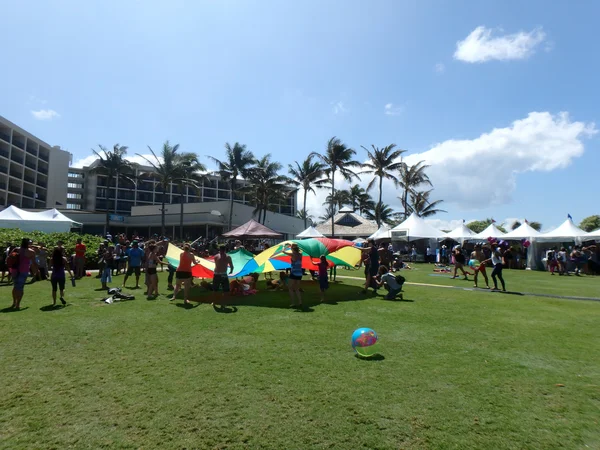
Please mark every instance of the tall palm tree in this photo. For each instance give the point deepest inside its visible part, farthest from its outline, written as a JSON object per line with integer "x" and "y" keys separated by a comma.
{"x": 340, "y": 198}
{"x": 236, "y": 164}
{"x": 382, "y": 163}
{"x": 168, "y": 168}
{"x": 113, "y": 165}
{"x": 422, "y": 206}
{"x": 189, "y": 168}
{"x": 355, "y": 193}
{"x": 267, "y": 186}
{"x": 383, "y": 211}
{"x": 330, "y": 212}
{"x": 365, "y": 204}
{"x": 409, "y": 178}
{"x": 306, "y": 175}
{"x": 305, "y": 215}
{"x": 536, "y": 226}
{"x": 337, "y": 158}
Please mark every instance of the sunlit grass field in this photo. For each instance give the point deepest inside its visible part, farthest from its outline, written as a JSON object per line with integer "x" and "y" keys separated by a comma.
{"x": 458, "y": 368}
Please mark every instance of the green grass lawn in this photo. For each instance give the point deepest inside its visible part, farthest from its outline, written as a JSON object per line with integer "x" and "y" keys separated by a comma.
{"x": 459, "y": 369}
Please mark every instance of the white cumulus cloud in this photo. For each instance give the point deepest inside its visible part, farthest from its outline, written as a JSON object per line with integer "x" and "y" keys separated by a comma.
{"x": 45, "y": 114}
{"x": 481, "y": 46}
{"x": 392, "y": 110}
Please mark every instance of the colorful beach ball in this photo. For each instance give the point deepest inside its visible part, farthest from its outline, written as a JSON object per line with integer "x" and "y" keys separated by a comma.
{"x": 474, "y": 263}
{"x": 364, "y": 342}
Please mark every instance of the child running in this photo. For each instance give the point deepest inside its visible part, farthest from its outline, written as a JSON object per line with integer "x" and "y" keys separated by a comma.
{"x": 323, "y": 278}
{"x": 478, "y": 255}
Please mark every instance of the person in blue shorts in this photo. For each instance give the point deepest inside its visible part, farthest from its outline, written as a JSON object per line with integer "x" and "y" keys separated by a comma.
{"x": 134, "y": 259}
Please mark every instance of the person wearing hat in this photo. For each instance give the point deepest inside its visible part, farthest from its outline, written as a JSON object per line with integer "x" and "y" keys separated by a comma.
{"x": 134, "y": 263}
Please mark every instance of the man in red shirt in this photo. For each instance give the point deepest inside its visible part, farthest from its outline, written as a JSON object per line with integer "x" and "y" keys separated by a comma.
{"x": 79, "y": 261}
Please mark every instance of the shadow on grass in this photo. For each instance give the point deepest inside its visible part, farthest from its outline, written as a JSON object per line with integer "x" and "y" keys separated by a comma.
{"x": 187, "y": 305}
{"x": 509, "y": 292}
{"x": 53, "y": 307}
{"x": 225, "y": 309}
{"x": 11, "y": 309}
{"x": 375, "y": 357}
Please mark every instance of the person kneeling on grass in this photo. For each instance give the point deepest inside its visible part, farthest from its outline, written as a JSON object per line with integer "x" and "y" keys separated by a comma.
{"x": 59, "y": 265}
{"x": 388, "y": 280}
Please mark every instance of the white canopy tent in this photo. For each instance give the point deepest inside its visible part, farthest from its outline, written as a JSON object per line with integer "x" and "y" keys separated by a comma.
{"x": 491, "y": 231}
{"x": 415, "y": 228}
{"x": 593, "y": 235}
{"x": 524, "y": 231}
{"x": 310, "y": 232}
{"x": 461, "y": 233}
{"x": 383, "y": 232}
{"x": 564, "y": 233}
{"x": 51, "y": 221}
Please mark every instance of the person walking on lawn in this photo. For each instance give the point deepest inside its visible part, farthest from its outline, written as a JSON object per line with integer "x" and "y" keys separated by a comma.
{"x": 79, "y": 260}
{"x": 24, "y": 262}
{"x": 134, "y": 260}
{"x": 59, "y": 264}
{"x": 184, "y": 273}
{"x": 478, "y": 255}
{"x": 497, "y": 261}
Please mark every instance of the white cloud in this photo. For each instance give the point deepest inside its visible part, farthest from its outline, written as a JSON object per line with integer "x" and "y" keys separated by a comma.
{"x": 439, "y": 68}
{"x": 392, "y": 110}
{"x": 45, "y": 114}
{"x": 88, "y": 160}
{"x": 478, "y": 173}
{"x": 481, "y": 46}
{"x": 339, "y": 108}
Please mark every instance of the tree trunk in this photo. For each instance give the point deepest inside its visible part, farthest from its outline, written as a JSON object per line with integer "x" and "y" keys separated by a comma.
{"x": 181, "y": 217}
{"x": 378, "y": 217}
{"x": 305, "y": 218}
{"x": 231, "y": 188}
{"x": 332, "y": 203}
{"x": 162, "y": 213}
{"x": 107, "y": 212}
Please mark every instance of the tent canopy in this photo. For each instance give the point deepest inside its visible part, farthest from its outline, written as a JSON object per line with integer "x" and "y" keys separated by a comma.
{"x": 310, "y": 232}
{"x": 491, "y": 231}
{"x": 252, "y": 229}
{"x": 461, "y": 232}
{"x": 415, "y": 228}
{"x": 566, "y": 232}
{"x": 51, "y": 221}
{"x": 383, "y": 232}
{"x": 524, "y": 231}
{"x": 594, "y": 234}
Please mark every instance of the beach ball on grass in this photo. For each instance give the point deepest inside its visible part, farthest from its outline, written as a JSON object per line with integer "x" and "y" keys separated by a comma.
{"x": 364, "y": 342}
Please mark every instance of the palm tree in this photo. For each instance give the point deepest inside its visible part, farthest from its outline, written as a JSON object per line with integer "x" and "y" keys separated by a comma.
{"x": 113, "y": 165}
{"x": 168, "y": 168}
{"x": 306, "y": 216}
{"x": 365, "y": 204}
{"x": 330, "y": 212}
{"x": 410, "y": 178}
{"x": 238, "y": 162}
{"x": 383, "y": 211}
{"x": 337, "y": 158}
{"x": 355, "y": 193}
{"x": 536, "y": 226}
{"x": 307, "y": 175}
{"x": 189, "y": 175}
{"x": 266, "y": 186}
{"x": 422, "y": 206}
{"x": 382, "y": 164}
{"x": 340, "y": 198}
{"x": 515, "y": 225}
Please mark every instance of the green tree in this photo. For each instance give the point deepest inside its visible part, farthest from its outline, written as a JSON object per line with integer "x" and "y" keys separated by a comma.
{"x": 536, "y": 226}
{"x": 189, "y": 177}
{"x": 267, "y": 186}
{"x": 168, "y": 167}
{"x": 329, "y": 213}
{"x": 382, "y": 163}
{"x": 422, "y": 206}
{"x": 337, "y": 158}
{"x": 306, "y": 216}
{"x": 113, "y": 165}
{"x": 591, "y": 223}
{"x": 355, "y": 193}
{"x": 365, "y": 204}
{"x": 410, "y": 177}
{"x": 515, "y": 225}
{"x": 477, "y": 226}
{"x": 340, "y": 198}
{"x": 238, "y": 162}
{"x": 383, "y": 211}
{"x": 307, "y": 175}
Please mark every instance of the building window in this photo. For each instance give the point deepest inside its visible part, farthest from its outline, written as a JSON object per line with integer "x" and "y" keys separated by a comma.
{"x": 75, "y": 185}
{"x": 75, "y": 175}
{"x": 73, "y": 206}
{"x": 74, "y": 196}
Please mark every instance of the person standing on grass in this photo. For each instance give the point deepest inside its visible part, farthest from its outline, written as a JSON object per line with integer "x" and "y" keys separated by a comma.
{"x": 79, "y": 261}
{"x": 100, "y": 252}
{"x": 151, "y": 265}
{"x": 413, "y": 254}
{"x": 373, "y": 267}
{"x": 562, "y": 262}
{"x": 497, "y": 261}
{"x": 20, "y": 272}
{"x": 295, "y": 275}
{"x": 459, "y": 262}
{"x": 220, "y": 278}
{"x": 59, "y": 264}
{"x": 551, "y": 260}
{"x": 108, "y": 258}
{"x": 134, "y": 260}
{"x": 183, "y": 275}
{"x": 323, "y": 279}
{"x": 41, "y": 258}
{"x": 478, "y": 255}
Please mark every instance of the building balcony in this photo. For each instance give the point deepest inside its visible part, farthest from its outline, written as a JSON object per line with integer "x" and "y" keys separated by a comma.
{"x": 3, "y": 186}
{"x": 3, "y": 169}
{"x": 17, "y": 159}
{"x": 31, "y": 165}
{"x": 14, "y": 189}
{"x": 4, "y": 136}
{"x": 18, "y": 143}
{"x": 16, "y": 174}
{"x": 31, "y": 151}
{"x": 4, "y": 153}
{"x": 43, "y": 157}
{"x": 43, "y": 171}
{"x": 29, "y": 194}
{"x": 29, "y": 179}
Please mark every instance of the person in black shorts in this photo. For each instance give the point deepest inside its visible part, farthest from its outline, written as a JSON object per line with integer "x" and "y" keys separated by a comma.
{"x": 372, "y": 262}
{"x": 459, "y": 262}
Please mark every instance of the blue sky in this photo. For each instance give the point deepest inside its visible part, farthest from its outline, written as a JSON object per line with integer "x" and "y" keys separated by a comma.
{"x": 283, "y": 77}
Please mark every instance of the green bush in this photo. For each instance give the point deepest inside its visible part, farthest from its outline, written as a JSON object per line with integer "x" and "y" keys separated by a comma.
{"x": 14, "y": 236}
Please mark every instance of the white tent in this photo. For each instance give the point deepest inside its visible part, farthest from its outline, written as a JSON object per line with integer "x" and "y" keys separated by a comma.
{"x": 524, "y": 231}
{"x": 593, "y": 235}
{"x": 566, "y": 232}
{"x": 359, "y": 240}
{"x": 51, "y": 221}
{"x": 415, "y": 228}
{"x": 382, "y": 233}
{"x": 491, "y": 231}
{"x": 461, "y": 232}
{"x": 310, "y": 232}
